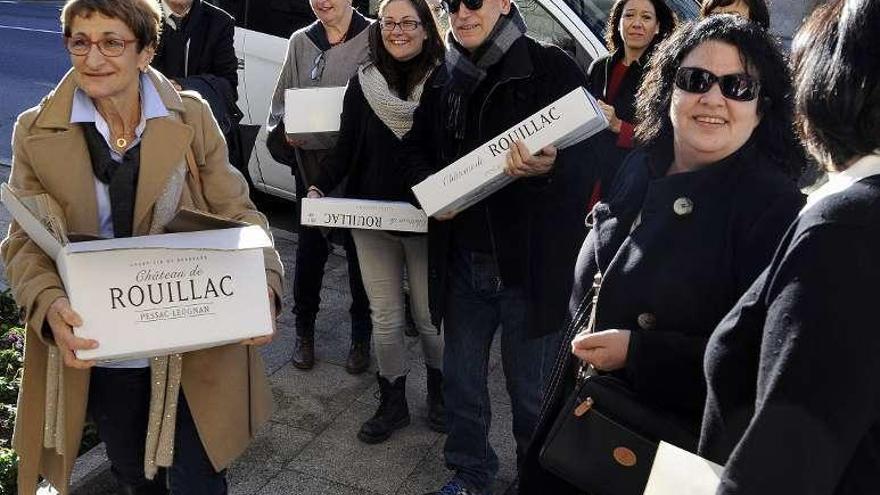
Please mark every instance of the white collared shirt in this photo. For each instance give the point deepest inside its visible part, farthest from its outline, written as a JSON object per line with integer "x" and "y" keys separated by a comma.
{"x": 84, "y": 110}
{"x": 839, "y": 182}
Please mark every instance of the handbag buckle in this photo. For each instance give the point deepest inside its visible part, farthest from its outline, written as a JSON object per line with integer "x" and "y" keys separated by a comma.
{"x": 583, "y": 407}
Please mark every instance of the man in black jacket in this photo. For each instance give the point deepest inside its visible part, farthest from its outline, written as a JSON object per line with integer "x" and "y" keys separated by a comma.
{"x": 507, "y": 260}
{"x": 197, "y": 40}
{"x": 196, "y": 51}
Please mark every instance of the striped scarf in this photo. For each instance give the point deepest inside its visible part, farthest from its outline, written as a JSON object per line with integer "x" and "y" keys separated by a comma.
{"x": 467, "y": 71}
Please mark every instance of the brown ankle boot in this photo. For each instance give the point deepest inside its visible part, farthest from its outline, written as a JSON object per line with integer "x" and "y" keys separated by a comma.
{"x": 304, "y": 353}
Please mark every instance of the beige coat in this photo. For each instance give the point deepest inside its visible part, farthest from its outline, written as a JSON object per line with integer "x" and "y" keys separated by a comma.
{"x": 50, "y": 156}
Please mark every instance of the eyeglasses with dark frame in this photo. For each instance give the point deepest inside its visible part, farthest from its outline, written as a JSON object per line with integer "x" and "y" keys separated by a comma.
{"x": 318, "y": 67}
{"x": 739, "y": 87}
{"x": 404, "y": 25}
{"x": 109, "y": 47}
{"x": 452, "y": 6}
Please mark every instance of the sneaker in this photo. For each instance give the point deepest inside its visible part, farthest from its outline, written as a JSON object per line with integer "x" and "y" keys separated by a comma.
{"x": 454, "y": 487}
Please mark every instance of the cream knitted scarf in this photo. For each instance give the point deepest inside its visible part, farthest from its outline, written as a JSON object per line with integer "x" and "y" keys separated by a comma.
{"x": 394, "y": 112}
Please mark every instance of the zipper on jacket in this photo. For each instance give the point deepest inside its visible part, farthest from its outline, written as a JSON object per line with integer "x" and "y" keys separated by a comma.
{"x": 498, "y": 283}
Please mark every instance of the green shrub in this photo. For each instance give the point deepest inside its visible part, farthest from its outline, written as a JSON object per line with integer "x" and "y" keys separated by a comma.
{"x": 11, "y": 361}
{"x": 8, "y": 471}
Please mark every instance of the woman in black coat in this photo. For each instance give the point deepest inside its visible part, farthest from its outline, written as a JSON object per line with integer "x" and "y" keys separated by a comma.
{"x": 693, "y": 219}
{"x": 634, "y": 28}
{"x": 794, "y": 370}
{"x": 377, "y": 112}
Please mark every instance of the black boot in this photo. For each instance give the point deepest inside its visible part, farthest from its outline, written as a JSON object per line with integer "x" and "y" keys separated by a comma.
{"x": 393, "y": 413}
{"x": 436, "y": 405}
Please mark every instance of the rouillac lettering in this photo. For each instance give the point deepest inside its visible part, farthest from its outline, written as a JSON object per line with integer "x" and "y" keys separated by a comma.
{"x": 170, "y": 292}
{"x": 349, "y": 220}
{"x": 521, "y": 132}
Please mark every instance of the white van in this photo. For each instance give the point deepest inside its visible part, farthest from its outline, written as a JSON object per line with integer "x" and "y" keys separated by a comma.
{"x": 263, "y": 28}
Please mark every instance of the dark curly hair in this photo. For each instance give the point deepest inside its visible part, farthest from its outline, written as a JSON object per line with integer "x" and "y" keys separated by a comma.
{"x": 665, "y": 16}
{"x": 761, "y": 56}
{"x": 758, "y": 11}
{"x": 836, "y": 60}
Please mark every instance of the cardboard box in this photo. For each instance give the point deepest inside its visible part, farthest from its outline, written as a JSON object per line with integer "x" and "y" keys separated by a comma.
{"x": 363, "y": 214}
{"x": 567, "y": 121}
{"x": 676, "y": 471}
{"x": 154, "y": 295}
{"x": 313, "y": 115}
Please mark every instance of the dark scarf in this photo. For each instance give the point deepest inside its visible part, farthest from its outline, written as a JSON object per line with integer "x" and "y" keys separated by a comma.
{"x": 467, "y": 71}
{"x": 121, "y": 177}
{"x": 318, "y": 34}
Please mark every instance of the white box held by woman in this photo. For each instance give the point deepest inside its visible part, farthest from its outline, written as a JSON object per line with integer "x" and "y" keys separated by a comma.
{"x": 313, "y": 115}
{"x": 363, "y": 214}
{"x": 567, "y": 121}
{"x": 153, "y": 295}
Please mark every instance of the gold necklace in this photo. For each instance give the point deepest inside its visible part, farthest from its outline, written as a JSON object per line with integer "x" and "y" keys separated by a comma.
{"x": 122, "y": 140}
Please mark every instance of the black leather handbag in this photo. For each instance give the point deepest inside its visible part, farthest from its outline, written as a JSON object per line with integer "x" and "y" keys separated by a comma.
{"x": 604, "y": 440}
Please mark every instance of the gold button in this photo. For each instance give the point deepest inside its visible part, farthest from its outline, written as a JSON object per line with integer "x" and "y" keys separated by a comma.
{"x": 647, "y": 321}
{"x": 683, "y": 206}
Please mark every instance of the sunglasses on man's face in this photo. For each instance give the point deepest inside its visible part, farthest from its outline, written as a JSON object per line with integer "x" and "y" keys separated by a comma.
{"x": 452, "y": 6}
{"x": 739, "y": 87}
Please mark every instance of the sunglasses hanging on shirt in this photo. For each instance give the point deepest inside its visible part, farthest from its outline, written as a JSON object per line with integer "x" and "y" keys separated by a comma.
{"x": 739, "y": 87}
{"x": 452, "y": 6}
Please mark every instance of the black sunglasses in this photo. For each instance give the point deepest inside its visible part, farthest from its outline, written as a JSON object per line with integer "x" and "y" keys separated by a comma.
{"x": 739, "y": 87}
{"x": 452, "y": 6}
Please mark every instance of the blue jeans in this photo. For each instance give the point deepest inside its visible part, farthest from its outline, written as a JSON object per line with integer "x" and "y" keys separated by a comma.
{"x": 119, "y": 402}
{"x": 477, "y": 303}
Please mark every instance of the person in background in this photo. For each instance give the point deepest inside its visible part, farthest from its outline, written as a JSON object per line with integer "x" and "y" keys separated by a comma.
{"x": 505, "y": 261}
{"x": 405, "y": 48}
{"x": 326, "y": 53}
{"x": 107, "y": 147}
{"x": 753, "y": 10}
{"x": 694, "y": 217}
{"x": 793, "y": 370}
{"x": 196, "y": 52}
{"x": 197, "y": 41}
{"x": 634, "y": 28}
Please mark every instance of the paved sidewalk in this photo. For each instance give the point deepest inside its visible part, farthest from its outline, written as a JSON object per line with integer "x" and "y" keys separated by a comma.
{"x": 310, "y": 447}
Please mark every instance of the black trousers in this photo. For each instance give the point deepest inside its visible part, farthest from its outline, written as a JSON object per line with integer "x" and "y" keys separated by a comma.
{"x": 119, "y": 401}
{"x": 312, "y": 251}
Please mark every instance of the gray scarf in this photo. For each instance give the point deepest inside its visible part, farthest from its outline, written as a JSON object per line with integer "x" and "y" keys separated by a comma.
{"x": 395, "y": 113}
{"x": 467, "y": 71}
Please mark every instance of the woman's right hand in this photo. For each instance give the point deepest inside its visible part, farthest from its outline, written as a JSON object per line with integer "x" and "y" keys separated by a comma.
{"x": 62, "y": 318}
{"x": 611, "y": 116}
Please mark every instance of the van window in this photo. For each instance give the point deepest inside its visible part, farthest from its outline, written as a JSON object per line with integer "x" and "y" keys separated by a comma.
{"x": 544, "y": 27}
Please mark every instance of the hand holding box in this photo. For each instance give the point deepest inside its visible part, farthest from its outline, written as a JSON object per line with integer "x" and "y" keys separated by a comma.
{"x": 565, "y": 122}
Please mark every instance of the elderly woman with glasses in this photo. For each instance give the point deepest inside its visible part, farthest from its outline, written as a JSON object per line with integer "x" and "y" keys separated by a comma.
{"x": 110, "y": 152}
{"x": 695, "y": 216}
{"x": 326, "y": 53}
